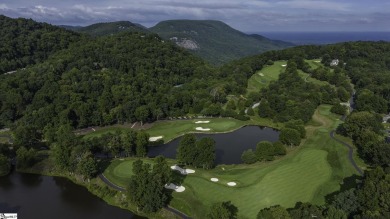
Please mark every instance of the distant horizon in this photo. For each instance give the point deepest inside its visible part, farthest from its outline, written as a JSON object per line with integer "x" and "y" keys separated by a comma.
{"x": 246, "y": 16}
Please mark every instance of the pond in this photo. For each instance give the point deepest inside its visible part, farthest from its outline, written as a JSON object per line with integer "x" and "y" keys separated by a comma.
{"x": 229, "y": 146}
{"x": 46, "y": 197}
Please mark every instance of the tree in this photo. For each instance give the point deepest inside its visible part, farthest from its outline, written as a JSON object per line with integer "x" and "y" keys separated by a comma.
{"x": 186, "y": 151}
{"x": 5, "y": 165}
{"x": 26, "y": 135}
{"x": 249, "y": 157}
{"x": 297, "y": 125}
{"x": 361, "y": 121}
{"x": 290, "y": 137}
{"x": 25, "y": 157}
{"x": 206, "y": 153}
{"x": 265, "y": 109}
{"x": 142, "y": 144}
{"x": 306, "y": 210}
{"x": 231, "y": 105}
{"x": 88, "y": 166}
{"x": 335, "y": 213}
{"x": 224, "y": 210}
{"x": 250, "y": 111}
{"x": 264, "y": 151}
{"x": 129, "y": 139}
{"x": 279, "y": 148}
{"x": 142, "y": 113}
{"x": 339, "y": 109}
{"x": 146, "y": 186}
{"x": 273, "y": 212}
{"x": 115, "y": 144}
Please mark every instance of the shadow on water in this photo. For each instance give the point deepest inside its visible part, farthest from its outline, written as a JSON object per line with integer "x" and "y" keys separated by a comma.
{"x": 31, "y": 180}
{"x": 229, "y": 146}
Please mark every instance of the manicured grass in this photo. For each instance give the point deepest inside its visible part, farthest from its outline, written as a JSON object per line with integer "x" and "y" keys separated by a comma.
{"x": 119, "y": 171}
{"x": 270, "y": 73}
{"x": 172, "y": 129}
{"x": 306, "y": 174}
{"x": 314, "y": 63}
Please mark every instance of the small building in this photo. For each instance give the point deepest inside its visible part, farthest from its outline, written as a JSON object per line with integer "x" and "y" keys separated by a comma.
{"x": 334, "y": 62}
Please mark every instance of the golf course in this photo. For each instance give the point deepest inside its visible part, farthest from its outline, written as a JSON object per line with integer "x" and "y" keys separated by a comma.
{"x": 308, "y": 173}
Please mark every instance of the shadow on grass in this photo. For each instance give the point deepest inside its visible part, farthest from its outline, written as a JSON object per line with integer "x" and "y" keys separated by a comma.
{"x": 347, "y": 184}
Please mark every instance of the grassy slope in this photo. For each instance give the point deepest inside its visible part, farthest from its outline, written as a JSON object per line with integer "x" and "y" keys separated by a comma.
{"x": 175, "y": 128}
{"x": 307, "y": 173}
{"x": 271, "y": 73}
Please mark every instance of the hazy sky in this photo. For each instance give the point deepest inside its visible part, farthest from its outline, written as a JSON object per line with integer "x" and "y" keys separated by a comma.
{"x": 245, "y": 15}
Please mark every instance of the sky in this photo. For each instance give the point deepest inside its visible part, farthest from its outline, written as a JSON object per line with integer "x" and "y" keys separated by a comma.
{"x": 244, "y": 15}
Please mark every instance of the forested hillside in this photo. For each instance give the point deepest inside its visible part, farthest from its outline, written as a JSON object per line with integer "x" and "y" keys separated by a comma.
{"x": 101, "y": 81}
{"x": 215, "y": 41}
{"x": 26, "y": 42}
{"x": 109, "y": 28}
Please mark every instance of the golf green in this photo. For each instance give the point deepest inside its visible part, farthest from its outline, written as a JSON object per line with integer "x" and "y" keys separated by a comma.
{"x": 307, "y": 173}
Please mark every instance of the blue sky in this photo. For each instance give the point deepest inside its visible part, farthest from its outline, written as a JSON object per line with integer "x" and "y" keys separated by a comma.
{"x": 245, "y": 15}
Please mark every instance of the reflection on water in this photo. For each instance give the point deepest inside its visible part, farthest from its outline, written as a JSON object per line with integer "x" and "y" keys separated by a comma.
{"x": 229, "y": 146}
{"x": 41, "y": 197}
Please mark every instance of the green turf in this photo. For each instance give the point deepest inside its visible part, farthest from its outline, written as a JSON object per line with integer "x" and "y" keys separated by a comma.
{"x": 271, "y": 73}
{"x": 171, "y": 129}
{"x": 314, "y": 63}
{"x": 119, "y": 171}
{"x": 306, "y": 174}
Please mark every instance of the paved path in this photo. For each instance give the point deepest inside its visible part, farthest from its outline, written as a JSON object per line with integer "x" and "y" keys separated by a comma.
{"x": 350, "y": 153}
{"x": 118, "y": 188}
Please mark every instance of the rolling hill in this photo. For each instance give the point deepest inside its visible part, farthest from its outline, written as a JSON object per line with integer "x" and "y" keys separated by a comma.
{"x": 109, "y": 28}
{"x": 215, "y": 41}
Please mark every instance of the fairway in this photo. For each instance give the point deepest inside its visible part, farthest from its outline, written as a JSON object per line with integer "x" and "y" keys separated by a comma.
{"x": 306, "y": 174}
{"x": 172, "y": 129}
{"x": 263, "y": 77}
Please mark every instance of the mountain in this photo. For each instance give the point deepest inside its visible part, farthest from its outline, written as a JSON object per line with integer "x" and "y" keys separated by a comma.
{"x": 25, "y": 42}
{"x": 215, "y": 41}
{"x": 69, "y": 27}
{"x": 103, "y": 29}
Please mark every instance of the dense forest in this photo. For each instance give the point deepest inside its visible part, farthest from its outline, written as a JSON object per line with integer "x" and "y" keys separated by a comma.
{"x": 72, "y": 81}
{"x": 26, "y": 42}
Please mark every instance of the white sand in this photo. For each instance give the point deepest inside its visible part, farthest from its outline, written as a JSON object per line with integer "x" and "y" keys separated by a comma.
{"x": 232, "y": 184}
{"x": 197, "y": 122}
{"x": 181, "y": 170}
{"x": 317, "y": 61}
{"x": 284, "y": 65}
{"x": 175, "y": 187}
{"x": 261, "y": 74}
{"x": 155, "y": 138}
{"x": 214, "y": 179}
{"x": 202, "y": 129}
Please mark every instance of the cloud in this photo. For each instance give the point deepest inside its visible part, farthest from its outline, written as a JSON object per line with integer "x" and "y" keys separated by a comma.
{"x": 314, "y": 5}
{"x": 246, "y": 15}
{"x": 3, "y": 7}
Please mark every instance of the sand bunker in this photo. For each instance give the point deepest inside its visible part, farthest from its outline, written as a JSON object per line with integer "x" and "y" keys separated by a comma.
{"x": 202, "y": 129}
{"x": 232, "y": 184}
{"x": 214, "y": 179}
{"x": 261, "y": 74}
{"x": 155, "y": 138}
{"x": 284, "y": 65}
{"x": 197, "y": 122}
{"x": 175, "y": 187}
{"x": 181, "y": 170}
{"x": 317, "y": 61}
